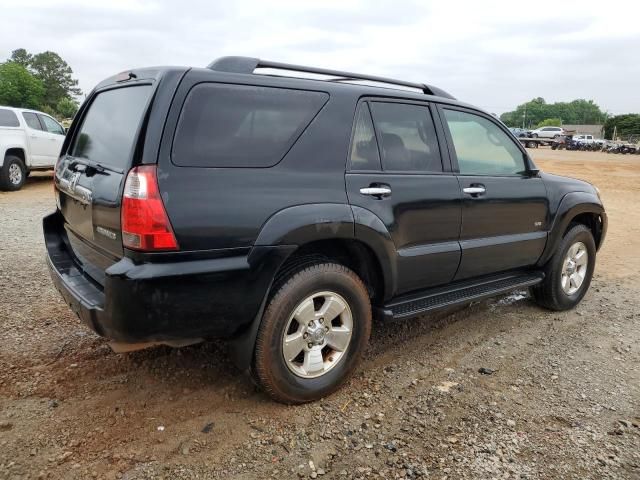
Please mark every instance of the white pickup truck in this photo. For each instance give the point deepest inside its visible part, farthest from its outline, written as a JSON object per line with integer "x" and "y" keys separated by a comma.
{"x": 29, "y": 140}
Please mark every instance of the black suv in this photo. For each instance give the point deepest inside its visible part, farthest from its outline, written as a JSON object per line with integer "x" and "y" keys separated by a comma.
{"x": 282, "y": 213}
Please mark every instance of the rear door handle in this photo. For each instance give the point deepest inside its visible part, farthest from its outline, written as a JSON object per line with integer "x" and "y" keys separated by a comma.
{"x": 478, "y": 190}
{"x": 379, "y": 191}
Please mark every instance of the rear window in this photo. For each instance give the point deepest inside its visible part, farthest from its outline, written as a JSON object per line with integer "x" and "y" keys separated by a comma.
{"x": 241, "y": 125}
{"x": 32, "y": 120}
{"x": 407, "y": 136}
{"x": 108, "y": 131}
{"x": 8, "y": 118}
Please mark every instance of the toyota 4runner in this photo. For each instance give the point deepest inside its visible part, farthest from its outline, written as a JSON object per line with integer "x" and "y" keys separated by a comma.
{"x": 282, "y": 213}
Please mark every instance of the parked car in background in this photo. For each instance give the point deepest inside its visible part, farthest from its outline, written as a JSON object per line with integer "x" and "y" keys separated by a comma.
{"x": 583, "y": 138}
{"x": 520, "y": 132}
{"x": 29, "y": 140}
{"x": 282, "y": 213}
{"x": 548, "y": 132}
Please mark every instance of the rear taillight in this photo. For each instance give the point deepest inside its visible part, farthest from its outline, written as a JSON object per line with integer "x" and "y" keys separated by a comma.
{"x": 145, "y": 225}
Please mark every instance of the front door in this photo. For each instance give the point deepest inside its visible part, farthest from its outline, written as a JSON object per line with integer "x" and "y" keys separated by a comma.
{"x": 505, "y": 208}
{"x": 396, "y": 172}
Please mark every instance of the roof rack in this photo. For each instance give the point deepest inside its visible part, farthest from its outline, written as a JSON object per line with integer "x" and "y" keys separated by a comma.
{"x": 249, "y": 64}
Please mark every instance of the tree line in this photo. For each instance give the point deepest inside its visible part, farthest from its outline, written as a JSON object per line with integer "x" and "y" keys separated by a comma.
{"x": 41, "y": 81}
{"x": 538, "y": 113}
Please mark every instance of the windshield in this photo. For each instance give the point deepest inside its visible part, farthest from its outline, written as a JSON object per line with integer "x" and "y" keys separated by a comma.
{"x": 108, "y": 131}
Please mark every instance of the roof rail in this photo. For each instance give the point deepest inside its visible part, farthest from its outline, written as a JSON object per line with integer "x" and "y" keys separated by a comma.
{"x": 249, "y": 64}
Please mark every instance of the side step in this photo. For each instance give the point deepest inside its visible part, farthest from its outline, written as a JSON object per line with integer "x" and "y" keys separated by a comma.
{"x": 460, "y": 293}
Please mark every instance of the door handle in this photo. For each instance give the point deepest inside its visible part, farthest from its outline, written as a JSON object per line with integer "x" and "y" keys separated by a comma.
{"x": 379, "y": 191}
{"x": 478, "y": 190}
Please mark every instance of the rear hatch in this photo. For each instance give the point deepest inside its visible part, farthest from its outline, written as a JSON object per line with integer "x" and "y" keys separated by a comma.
{"x": 90, "y": 175}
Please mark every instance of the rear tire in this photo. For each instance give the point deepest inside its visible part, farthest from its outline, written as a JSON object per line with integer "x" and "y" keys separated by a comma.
{"x": 294, "y": 362}
{"x": 12, "y": 174}
{"x": 568, "y": 274}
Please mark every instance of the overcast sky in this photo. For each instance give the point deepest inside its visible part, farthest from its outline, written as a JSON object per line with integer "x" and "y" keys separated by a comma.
{"x": 491, "y": 54}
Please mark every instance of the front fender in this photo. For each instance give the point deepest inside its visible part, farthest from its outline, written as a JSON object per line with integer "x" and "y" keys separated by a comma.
{"x": 571, "y": 205}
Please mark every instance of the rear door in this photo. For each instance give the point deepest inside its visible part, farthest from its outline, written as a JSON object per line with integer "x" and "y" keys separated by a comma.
{"x": 54, "y": 135}
{"x": 90, "y": 176}
{"x": 505, "y": 207}
{"x": 38, "y": 140}
{"x": 396, "y": 171}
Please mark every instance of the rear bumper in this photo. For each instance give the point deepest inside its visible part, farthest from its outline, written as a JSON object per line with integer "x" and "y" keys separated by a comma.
{"x": 143, "y": 302}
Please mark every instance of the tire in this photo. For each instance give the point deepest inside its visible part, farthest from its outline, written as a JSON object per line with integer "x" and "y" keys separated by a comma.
{"x": 289, "y": 380}
{"x": 535, "y": 135}
{"x": 553, "y": 293}
{"x": 555, "y": 137}
{"x": 12, "y": 174}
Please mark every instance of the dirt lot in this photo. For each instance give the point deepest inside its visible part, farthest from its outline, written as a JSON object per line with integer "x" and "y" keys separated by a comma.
{"x": 563, "y": 401}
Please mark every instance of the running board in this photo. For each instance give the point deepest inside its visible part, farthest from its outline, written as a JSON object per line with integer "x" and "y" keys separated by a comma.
{"x": 463, "y": 292}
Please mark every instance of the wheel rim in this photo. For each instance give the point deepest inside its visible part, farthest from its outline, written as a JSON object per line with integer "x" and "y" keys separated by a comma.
{"x": 317, "y": 335}
{"x": 15, "y": 174}
{"x": 574, "y": 268}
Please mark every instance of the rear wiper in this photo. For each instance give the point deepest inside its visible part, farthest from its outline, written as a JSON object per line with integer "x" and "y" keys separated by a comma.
{"x": 92, "y": 168}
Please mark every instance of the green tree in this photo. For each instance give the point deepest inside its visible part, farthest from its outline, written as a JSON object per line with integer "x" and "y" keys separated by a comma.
{"x": 56, "y": 76}
{"x": 626, "y": 126}
{"x": 576, "y": 112}
{"x": 550, "y": 122}
{"x": 22, "y": 57}
{"x": 18, "y": 87}
{"x": 67, "y": 108}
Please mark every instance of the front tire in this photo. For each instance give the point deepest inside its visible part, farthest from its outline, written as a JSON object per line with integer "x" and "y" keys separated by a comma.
{"x": 12, "y": 174}
{"x": 313, "y": 333}
{"x": 568, "y": 274}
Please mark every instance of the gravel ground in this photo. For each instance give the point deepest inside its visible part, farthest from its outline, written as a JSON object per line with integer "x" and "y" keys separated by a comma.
{"x": 558, "y": 395}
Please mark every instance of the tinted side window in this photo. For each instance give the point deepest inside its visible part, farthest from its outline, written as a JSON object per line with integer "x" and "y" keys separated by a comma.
{"x": 32, "y": 120}
{"x": 51, "y": 125}
{"x": 241, "y": 125}
{"x": 364, "y": 149}
{"x": 482, "y": 147}
{"x": 407, "y": 137}
{"x": 8, "y": 118}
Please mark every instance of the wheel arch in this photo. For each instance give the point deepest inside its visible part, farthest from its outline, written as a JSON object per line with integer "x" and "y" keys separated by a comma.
{"x": 576, "y": 208}
{"x": 336, "y": 229}
{"x": 323, "y": 232}
{"x": 17, "y": 152}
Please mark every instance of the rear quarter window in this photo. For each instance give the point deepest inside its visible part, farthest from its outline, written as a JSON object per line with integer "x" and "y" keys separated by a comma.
{"x": 241, "y": 125}
{"x": 8, "y": 118}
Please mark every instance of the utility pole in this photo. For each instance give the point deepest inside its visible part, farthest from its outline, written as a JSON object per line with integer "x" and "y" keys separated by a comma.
{"x": 524, "y": 117}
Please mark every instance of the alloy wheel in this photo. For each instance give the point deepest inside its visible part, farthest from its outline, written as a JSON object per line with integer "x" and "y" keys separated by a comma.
{"x": 574, "y": 268}
{"x": 317, "y": 334}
